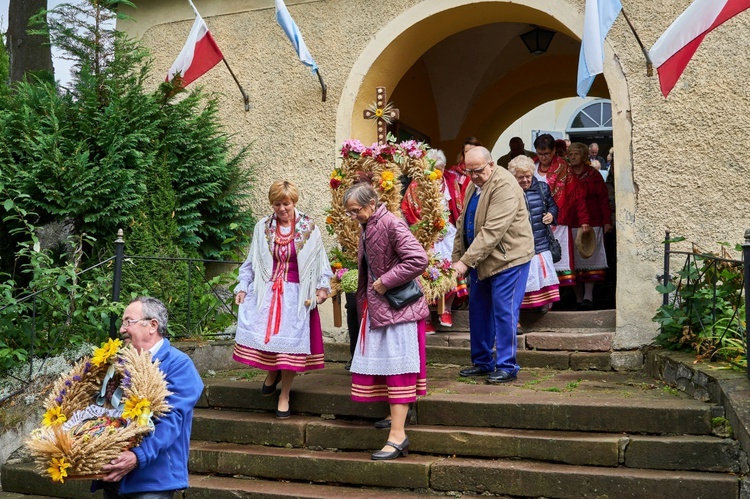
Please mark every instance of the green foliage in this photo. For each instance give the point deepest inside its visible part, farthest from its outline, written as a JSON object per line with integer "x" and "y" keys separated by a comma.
{"x": 707, "y": 312}
{"x": 57, "y": 309}
{"x": 4, "y": 65}
{"x": 102, "y": 154}
{"x": 83, "y": 154}
{"x": 350, "y": 281}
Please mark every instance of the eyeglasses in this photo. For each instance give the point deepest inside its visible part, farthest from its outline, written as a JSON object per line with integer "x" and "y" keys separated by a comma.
{"x": 353, "y": 213}
{"x": 129, "y": 322}
{"x": 477, "y": 171}
{"x": 544, "y": 154}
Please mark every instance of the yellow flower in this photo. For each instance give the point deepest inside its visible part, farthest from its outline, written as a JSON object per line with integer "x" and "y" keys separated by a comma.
{"x": 432, "y": 176}
{"x": 54, "y": 416}
{"x": 439, "y": 174}
{"x": 136, "y": 408}
{"x": 337, "y": 265}
{"x": 108, "y": 350}
{"x": 379, "y": 112}
{"x": 58, "y": 469}
{"x": 386, "y": 185}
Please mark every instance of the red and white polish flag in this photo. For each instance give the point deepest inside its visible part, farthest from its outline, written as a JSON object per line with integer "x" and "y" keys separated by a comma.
{"x": 199, "y": 54}
{"x": 674, "y": 49}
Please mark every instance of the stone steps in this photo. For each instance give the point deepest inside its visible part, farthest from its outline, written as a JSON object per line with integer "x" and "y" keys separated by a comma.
{"x": 261, "y": 472}
{"x": 217, "y": 487}
{"x": 482, "y": 405}
{"x": 502, "y": 476}
{"x": 550, "y": 433}
{"x": 677, "y": 452}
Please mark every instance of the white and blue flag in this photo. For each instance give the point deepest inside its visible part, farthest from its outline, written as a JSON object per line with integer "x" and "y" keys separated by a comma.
{"x": 599, "y": 17}
{"x": 292, "y": 31}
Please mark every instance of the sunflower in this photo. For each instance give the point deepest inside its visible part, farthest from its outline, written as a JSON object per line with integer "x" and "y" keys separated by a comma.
{"x": 54, "y": 416}
{"x": 138, "y": 409}
{"x": 58, "y": 469}
{"x": 103, "y": 354}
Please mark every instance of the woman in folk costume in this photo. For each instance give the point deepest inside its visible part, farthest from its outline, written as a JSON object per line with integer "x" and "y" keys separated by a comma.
{"x": 286, "y": 275}
{"x": 594, "y": 193}
{"x": 542, "y": 283}
{"x": 555, "y": 172}
{"x": 389, "y": 360}
{"x": 411, "y": 207}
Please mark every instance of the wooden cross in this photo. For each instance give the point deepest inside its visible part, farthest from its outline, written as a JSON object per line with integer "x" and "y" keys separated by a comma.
{"x": 382, "y": 112}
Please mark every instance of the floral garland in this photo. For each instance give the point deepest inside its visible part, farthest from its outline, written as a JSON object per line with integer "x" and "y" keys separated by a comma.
{"x": 438, "y": 278}
{"x": 104, "y": 405}
{"x": 385, "y": 163}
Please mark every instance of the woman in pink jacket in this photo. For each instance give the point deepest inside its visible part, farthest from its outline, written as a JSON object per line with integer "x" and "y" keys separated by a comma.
{"x": 389, "y": 360}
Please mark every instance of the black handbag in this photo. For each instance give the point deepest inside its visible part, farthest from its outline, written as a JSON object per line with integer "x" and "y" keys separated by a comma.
{"x": 400, "y": 296}
{"x": 554, "y": 245}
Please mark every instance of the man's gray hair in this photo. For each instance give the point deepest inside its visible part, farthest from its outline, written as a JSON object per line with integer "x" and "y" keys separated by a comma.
{"x": 154, "y": 309}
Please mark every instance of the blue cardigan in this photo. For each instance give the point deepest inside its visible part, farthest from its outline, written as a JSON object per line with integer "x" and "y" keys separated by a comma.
{"x": 163, "y": 454}
{"x": 535, "y": 204}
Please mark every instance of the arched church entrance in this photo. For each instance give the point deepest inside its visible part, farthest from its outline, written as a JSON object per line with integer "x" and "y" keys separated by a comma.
{"x": 458, "y": 68}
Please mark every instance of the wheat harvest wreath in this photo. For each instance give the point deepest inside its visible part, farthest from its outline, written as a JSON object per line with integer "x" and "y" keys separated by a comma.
{"x": 106, "y": 404}
{"x": 384, "y": 165}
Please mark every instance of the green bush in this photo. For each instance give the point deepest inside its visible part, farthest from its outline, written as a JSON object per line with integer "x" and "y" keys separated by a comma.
{"x": 707, "y": 313}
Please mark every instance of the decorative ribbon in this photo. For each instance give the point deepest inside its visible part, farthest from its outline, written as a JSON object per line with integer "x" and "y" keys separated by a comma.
{"x": 363, "y": 327}
{"x": 116, "y": 400}
{"x": 544, "y": 267}
{"x": 274, "y": 315}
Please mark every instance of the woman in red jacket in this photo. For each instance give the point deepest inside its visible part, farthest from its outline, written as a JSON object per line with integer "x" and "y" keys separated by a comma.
{"x": 389, "y": 360}
{"x": 593, "y": 191}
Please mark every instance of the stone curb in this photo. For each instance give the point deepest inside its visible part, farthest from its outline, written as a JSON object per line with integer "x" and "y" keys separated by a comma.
{"x": 708, "y": 382}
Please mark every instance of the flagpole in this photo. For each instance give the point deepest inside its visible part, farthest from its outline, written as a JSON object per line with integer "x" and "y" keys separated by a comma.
{"x": 193, "y": 6}
{"x": 245, "y": 97}
{"x": 649, "y": 64}
{"x": 323, "y": 86}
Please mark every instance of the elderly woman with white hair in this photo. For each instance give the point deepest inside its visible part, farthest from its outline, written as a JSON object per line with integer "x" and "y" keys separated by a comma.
{"x": 542, "y": 285}
{"x": 443, "y": 248}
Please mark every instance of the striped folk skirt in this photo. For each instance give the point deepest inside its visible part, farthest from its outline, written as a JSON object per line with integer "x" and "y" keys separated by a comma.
{"x": 274, "y": 361}
{"x": 389, "y": 363}
{"x": 542, "y": 285}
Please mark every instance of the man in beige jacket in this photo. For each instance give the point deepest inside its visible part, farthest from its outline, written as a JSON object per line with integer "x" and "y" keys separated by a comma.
{"x": 494, "y": 244}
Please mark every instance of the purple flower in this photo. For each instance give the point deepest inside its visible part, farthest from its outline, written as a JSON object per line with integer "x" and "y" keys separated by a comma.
{"x": 76, "y": 378}
{"x": 68, "y": 382}
{"x": 434, "y": 273}
{"x": 63, "y": 392}
{"x": 58, "y": 400}
{"x": 87, "y": 367}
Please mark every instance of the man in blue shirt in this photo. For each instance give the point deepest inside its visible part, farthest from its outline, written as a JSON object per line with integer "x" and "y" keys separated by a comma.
{"x": 157, "y": 467}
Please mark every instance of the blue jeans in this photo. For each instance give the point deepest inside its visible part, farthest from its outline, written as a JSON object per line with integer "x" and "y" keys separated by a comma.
{"x": 494, "y": 307}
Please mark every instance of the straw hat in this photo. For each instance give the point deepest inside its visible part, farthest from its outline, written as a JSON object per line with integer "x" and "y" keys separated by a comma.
{"x": 586, "y": 243}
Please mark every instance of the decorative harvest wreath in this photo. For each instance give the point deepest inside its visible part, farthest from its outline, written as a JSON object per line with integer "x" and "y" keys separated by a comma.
{"x": 438, "y": 278}
{"x": 385, "y": 164}
{"x": 103, "y": 406}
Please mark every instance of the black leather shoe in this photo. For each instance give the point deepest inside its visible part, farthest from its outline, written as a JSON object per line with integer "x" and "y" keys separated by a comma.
{"x": 386, "y": 423}
{"x": 501, "y": 377}
{"x": 402, "y": 449}
{"x": 283, "y": 414}
{"x": 474, "y": 371}
{"x": 270, "y": 389}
